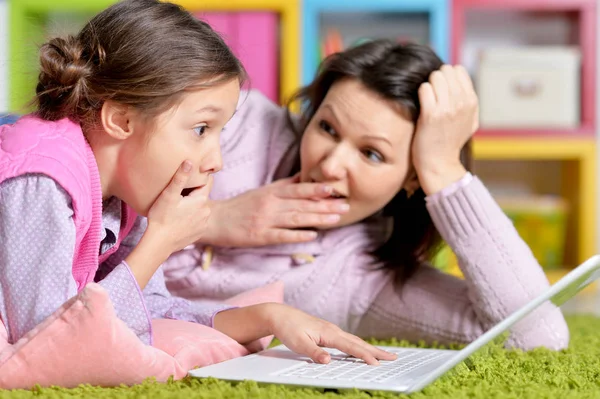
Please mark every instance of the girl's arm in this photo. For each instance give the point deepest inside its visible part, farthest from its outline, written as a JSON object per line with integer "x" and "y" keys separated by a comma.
{"x": 160, "y": 304}
{"x": 37, "y": 236}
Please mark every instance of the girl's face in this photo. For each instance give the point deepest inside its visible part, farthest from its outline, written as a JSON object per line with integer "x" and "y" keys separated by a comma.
{"x": 359, "y": 143}
{"x": 189, "y": 131}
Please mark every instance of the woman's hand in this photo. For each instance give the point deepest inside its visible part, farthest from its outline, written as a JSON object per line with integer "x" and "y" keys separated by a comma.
{"x": 273, "y": 214}
{"x": 174, "y": 221}
{"x": 302, "y": 333}
{"x": 449, "y": 117}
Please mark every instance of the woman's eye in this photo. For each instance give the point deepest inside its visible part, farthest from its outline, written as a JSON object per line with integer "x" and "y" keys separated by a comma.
{"x": 199, "y": 130}
{"x": 373, "y": 156}
{"x": 326, "y": 127}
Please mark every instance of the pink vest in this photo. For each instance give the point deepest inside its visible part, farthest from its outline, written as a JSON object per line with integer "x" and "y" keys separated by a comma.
{"x": 60, "y": 151}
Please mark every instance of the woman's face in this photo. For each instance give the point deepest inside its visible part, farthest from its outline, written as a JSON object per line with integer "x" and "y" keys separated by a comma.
{"x": 359, "y": 143}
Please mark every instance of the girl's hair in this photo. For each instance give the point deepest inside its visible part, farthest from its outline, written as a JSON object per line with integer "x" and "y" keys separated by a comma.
{"x": 140, "y": 53}
{"x": 394, "y": 71}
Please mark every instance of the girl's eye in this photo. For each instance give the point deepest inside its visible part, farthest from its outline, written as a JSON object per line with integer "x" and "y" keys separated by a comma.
{"x": 326, "y": 127}
{"x": 199, "y": 130}
{"x": 373, "y": 156}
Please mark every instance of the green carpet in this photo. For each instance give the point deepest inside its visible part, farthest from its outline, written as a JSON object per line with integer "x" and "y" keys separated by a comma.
{"x": 491, "y": 373}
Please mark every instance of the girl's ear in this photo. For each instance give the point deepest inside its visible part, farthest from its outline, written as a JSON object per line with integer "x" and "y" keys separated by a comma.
{"x": 116, "y": 120}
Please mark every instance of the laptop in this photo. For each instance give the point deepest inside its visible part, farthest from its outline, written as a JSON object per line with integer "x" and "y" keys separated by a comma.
{"x": 414, "y": 368}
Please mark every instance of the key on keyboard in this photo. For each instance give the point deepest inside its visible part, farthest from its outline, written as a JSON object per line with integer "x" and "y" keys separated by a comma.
{"x": 351, "y": 369}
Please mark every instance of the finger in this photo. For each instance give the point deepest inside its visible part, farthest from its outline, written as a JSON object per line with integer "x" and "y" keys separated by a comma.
{"x": 440, "y": 88}
{"x": 343, "y": 342}
{"x": 427, "y": 98}
{"x": 464, "y": 79}
{"x": 375, "y": 351}
{"x": 311, "y": 349}
{"x": 471, "y": 96}
{"x": 178, "y": 182}
{"x": 306, "y": 191}
{"x": 288, "y": 180}
{"x": 298, "y": 220}
{"x": 455, "y": 89}
{"x": 284, "y": 236}
{"x": 315, "y": 206}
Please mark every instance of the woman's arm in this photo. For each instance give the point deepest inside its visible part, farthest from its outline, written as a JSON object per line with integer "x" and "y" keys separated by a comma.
{"x": 501, "y": 275}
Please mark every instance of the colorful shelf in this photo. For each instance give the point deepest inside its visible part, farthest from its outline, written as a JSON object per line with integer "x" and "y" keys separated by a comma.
{"x": 586, "y": 12}
{"x": 28, "y": 19}
{"x": 579, "y": 181}
{"x": 312, "y": 11}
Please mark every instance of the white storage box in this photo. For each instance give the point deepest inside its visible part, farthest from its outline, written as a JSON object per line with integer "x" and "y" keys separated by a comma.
{"x": 529, "y": 87}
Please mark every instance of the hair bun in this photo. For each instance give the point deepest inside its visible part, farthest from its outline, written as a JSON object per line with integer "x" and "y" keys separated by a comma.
{"x": 62, "y": 84}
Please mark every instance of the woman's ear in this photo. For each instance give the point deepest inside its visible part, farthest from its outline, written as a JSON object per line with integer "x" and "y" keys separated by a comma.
{"x": 116, "y": 120}
{"x": 411, "y": 183}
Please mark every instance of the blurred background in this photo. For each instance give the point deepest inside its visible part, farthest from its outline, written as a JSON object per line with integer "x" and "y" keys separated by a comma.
{"x": 534, "y": 63}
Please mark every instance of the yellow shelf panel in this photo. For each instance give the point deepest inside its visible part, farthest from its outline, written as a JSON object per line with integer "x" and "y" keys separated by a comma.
{"x": 579, "y": 180}
{"x": 534, "y": 148}
{"x": 289, "y": 11}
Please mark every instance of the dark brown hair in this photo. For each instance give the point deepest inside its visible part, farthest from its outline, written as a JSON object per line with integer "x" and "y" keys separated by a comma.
{"x": 395, "y": 71}
{"x": 141, "y": 53}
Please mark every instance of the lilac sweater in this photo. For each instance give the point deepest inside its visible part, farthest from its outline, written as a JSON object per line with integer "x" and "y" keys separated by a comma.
{"x": 334, "y": 277}
{"x": 37, "y": 241}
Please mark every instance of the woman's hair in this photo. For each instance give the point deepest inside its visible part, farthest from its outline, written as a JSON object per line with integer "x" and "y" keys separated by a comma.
{"x": 140, "y": 53}
{"x": 395, "y": 71}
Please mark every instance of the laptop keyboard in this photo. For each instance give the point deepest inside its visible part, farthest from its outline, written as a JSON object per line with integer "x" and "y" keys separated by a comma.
{"x": 352, "y": 369}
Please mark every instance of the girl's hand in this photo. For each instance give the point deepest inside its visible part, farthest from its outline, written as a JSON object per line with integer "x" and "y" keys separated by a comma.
{"x": 273, "y": 214}
{"x": 306, "y": 334}
{"x": 449, "y": 117}
{"x": 302, "y": 333}
{"x": 176, "y": 221}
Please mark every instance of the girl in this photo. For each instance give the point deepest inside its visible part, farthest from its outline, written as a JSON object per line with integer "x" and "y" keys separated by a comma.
{"x": 128, "y": 119}
{"x": 384, "y": 128}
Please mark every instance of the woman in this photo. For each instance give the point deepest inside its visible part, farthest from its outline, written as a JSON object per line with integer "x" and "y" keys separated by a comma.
{"x": 383, "y": 133}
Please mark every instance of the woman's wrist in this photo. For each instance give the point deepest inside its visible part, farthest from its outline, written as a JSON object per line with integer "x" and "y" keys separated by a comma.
{"x": 435, "y": 178}
{"x": 213, "y": 235}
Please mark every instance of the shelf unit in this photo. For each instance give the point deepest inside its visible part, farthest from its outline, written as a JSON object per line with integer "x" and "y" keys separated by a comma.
{"x": 586, "y": 12}
{"x": 28, "y": 19}
{"x": 313, "y": 10}
{"x": 574, "y": 149}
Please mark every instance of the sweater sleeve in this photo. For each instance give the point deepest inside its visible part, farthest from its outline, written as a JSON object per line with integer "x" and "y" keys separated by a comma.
{"x": 38, "y": 241}
{"x": 158, "y": 302}
{"x": 501, "y": 275}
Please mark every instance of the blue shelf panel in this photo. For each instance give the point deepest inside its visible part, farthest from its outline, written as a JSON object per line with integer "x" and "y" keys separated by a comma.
{"x": 314, "y": 11}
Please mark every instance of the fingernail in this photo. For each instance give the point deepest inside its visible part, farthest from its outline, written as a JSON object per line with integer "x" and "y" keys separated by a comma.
{"x": 311, "y": 235}
{"x": 343, "y": 207}
{"x": 327, "y": 189}
{"x": 332, "y": 218}
{"x": 187, "y": 166}
{"x": 324, "y": 359}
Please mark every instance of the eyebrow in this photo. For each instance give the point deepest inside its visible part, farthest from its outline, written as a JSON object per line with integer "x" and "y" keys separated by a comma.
{"x": 373, "y": 137}
{"x": 210, "y": 108}
{"x": 379, "y": 138}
